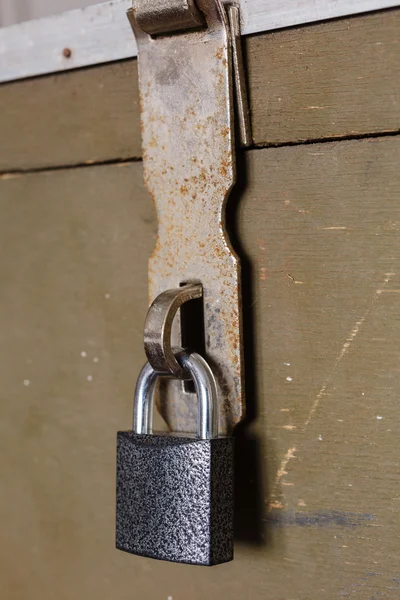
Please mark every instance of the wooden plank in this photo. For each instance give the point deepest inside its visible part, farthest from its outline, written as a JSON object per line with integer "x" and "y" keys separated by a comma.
{"x": 321, "y": 225}
{"x": 324, "y": 81}
{"x": 317, "y": 471}
{"x": 340, "y": 78}
{"x": 85, "y": 116}
{"x": 101, "y": 33}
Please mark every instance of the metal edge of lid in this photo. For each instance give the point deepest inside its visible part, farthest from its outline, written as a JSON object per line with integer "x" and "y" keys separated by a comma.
{"x": 101, "y": 33}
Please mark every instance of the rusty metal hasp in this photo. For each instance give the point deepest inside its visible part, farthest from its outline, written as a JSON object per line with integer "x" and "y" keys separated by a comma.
{"x": 189, "y": 72}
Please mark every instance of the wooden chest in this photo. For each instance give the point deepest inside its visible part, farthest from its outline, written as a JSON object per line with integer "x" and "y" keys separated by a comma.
{"x": 315, "y": 218}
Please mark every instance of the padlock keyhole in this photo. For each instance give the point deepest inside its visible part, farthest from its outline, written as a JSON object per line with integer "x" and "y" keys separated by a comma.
{"x": 192, "y": 330}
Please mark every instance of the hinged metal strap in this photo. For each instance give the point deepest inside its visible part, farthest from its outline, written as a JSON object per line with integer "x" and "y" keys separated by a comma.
{"x": 187, "y": 114}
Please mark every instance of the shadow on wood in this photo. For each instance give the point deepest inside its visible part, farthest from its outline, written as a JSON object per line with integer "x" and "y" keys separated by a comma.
{"x": 250, "y": 485}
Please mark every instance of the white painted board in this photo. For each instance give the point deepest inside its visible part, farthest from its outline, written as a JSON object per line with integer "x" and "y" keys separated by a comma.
{"x": 101, "y": 33}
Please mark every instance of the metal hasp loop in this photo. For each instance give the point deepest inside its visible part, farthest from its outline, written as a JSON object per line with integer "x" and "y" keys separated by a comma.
{"x": 158, "y": 327}
{"x": 206, "y": 390}
{"x": 187, "y": 117}
{"x": 156, "y": 17}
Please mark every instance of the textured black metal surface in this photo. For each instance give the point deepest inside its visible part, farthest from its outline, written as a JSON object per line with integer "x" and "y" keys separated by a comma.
{"x": 175, "y": 497}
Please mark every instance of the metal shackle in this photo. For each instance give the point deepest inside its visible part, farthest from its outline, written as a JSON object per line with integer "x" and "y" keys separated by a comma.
{"x": 206, "y": 390}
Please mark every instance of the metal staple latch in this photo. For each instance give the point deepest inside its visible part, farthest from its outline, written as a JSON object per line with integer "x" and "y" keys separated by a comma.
{"x": 190, "y": 79}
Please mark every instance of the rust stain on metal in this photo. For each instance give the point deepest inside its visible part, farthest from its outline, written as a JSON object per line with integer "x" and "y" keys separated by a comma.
{"x": 186, "y": 103}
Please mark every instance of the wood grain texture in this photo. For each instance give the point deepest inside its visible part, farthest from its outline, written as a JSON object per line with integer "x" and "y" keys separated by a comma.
{"x": 85, "y": 116}
{"x": 336, "y": 79}
{"x": 320, "y": 227}
{"x": 328, "y": 80}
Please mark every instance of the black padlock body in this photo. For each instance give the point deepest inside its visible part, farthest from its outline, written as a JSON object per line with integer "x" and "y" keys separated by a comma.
{"x": 175, "y": 497}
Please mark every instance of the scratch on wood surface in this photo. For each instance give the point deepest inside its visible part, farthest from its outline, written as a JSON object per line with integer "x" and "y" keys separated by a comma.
{"x": 344, "y": 350}
{"x": 261, "y": 245}
{"x": 293, "y": 280}
{"x": 276, "y": 504}
{"x": 5, "y": 176}
{"x": 315, "y": 107}
{"x": 281, "y": 471}
{"x": 332, "y": 228}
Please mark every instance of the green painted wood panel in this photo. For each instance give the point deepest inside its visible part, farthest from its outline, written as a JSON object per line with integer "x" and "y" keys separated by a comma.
{"x": 318, "y": 460}
{"x": 336, "y": 79}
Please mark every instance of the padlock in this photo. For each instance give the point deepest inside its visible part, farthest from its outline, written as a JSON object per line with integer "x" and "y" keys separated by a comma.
{"x": 174, "y": 490}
